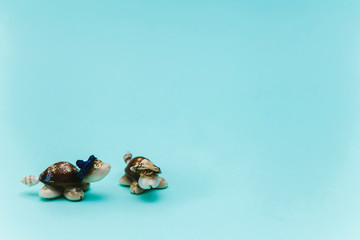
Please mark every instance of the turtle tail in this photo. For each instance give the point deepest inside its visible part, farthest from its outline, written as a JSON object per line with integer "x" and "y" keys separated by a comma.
{"x": 30, "y": 180}
{"x": 127, "y": 157}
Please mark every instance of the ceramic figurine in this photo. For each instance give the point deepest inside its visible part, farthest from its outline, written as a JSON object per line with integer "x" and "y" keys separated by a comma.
{"x": 141, "y": 174}
{"x": 63, "y": 178}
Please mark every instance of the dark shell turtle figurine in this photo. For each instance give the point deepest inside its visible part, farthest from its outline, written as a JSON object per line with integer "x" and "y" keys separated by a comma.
{"x": 63, "y": 178}
{"x": 141, "y": 174}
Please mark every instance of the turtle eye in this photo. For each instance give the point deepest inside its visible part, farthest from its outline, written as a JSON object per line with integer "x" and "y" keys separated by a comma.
{"x": 148, "y": 172}
{"x": 98, "y": 164}
{"x": 142, "y": 173}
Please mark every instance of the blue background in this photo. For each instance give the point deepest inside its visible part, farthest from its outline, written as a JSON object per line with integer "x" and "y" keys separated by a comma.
{"x": 250, "y": 109}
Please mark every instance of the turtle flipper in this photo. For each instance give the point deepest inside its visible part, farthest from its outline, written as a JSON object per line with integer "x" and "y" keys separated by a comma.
{"x": 163, "y": 183}
{"x": 74, "y": 194}
{"x": 48, "y": 192}
{"x": 125, "y": 180}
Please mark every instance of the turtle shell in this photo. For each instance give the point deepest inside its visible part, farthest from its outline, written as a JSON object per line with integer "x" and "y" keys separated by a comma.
{"x": 61, "y": 174}
{"x": 132, "y": 162}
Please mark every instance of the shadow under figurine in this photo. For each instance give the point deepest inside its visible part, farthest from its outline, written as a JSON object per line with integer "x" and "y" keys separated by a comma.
{"x": 63, "y": 178}
{"x": 141, "y": 174}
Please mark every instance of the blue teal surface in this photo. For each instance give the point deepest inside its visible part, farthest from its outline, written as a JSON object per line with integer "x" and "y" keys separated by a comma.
{"x": 250, "y": 108}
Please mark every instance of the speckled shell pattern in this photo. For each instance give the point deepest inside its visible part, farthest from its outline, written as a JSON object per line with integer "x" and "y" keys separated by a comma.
{"x": 133, "y": 162}
{"x": 61, "y": 175}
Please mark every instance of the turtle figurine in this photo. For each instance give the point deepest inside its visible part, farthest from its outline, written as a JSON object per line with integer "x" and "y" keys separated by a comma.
{"x": 63, "y": 178}
{"x": 141, "y": 175}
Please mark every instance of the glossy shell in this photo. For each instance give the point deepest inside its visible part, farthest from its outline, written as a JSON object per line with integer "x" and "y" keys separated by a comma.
{"x": 135, "y": 162}
{"x": 61, "y": 174}
{"x": 131, "y": 163}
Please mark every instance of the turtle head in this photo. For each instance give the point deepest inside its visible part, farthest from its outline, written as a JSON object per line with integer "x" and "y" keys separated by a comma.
{"x": 93, "y": 169}
{"x": 148, "y": 172}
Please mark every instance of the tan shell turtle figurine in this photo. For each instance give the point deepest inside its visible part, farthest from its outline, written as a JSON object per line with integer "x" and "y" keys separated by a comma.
{"x": 141, "y": 174}
{"x": 63, "y": 178}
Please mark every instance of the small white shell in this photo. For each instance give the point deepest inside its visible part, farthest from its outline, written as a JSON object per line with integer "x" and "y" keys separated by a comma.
{"x": 127, "y": 157}
{"x": 30, "y": 180}
{"x": 147, "y": 182}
